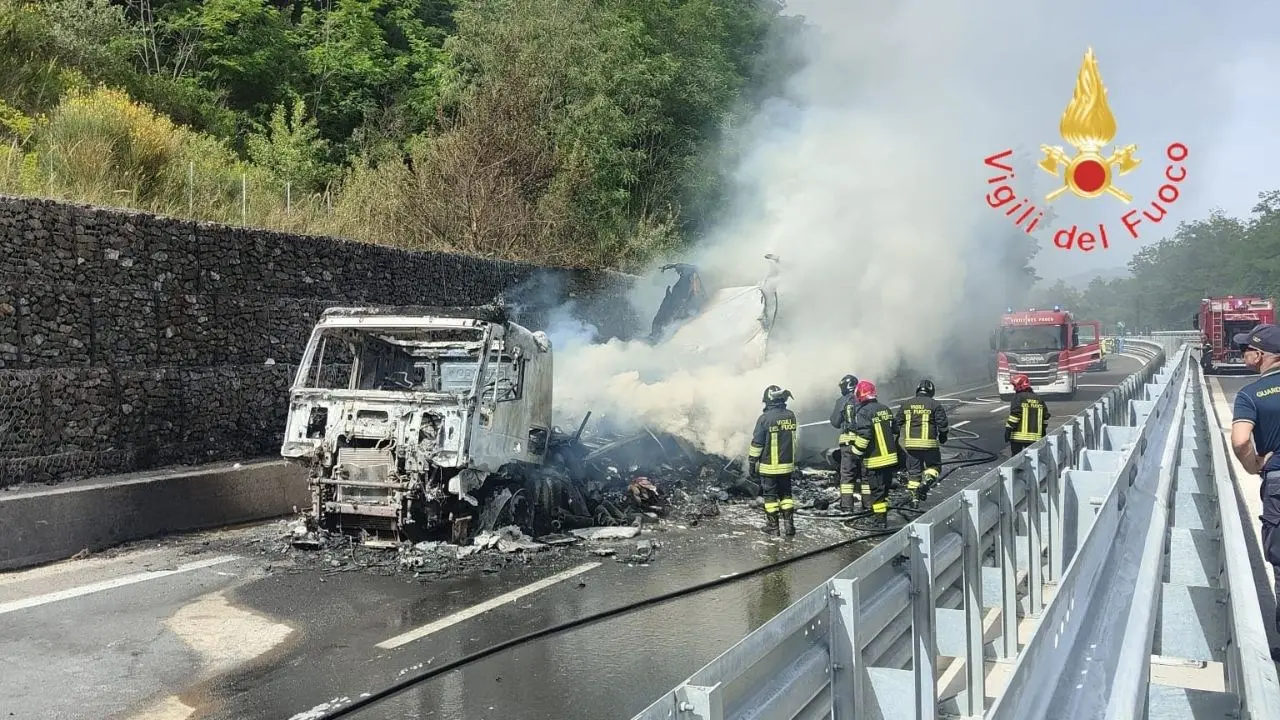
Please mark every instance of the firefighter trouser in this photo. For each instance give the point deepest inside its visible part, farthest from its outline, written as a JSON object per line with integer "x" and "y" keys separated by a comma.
{"x": 875, "y": 489}
{"x": 923, "y": 465}
{"x": 1016, "y": 447}
{"x": 777, "y": 493}
{"x": 848, "y": 472}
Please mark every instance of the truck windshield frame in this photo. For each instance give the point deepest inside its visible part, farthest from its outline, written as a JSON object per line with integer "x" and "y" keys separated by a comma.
{"x": 1032, "y": 338}
{"x": 398, "y": 361}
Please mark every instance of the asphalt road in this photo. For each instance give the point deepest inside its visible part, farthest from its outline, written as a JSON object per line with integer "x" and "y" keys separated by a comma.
{"x": 221, "y": 625}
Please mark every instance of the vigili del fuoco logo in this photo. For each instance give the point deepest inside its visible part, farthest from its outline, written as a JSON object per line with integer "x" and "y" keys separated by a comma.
{"x": 1088, "y": 127}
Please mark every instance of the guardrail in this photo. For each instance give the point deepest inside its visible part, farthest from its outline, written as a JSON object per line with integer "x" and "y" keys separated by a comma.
{"x": 1162, "y": 600}
{"x": 945, "y": 592}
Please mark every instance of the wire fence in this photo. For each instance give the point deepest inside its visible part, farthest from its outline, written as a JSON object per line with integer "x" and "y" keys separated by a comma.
{"x": 244, "y": 196}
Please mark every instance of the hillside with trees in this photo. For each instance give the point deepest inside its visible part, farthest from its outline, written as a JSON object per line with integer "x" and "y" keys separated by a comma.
{"x": 567, "y": 131}
{"x": 1214, "y": 256}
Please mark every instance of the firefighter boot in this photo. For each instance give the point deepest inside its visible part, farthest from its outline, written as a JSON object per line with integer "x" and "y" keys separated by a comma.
{"x": 788, "y": 523}
{"x": 915, "y": 492}
{"x": 771, "y": 523}
{"x": 847, "y": 503}
{"x": 930, "y": 479}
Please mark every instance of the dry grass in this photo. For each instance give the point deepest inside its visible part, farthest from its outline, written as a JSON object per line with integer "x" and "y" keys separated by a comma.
{"x": 490, "y": 183}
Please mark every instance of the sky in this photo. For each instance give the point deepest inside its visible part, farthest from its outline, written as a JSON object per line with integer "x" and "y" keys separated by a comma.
{"x": 1196, "y": 73}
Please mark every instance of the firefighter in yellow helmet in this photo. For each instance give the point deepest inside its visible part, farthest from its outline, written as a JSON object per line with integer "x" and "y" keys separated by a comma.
{"x": 1028, "y": 416}
{"x": 876, "y": 444}
{"x": 772, "y": 458}
{"x": 923, "y": 423}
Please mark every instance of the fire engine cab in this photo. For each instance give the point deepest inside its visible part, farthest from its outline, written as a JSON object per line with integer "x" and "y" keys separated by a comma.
{"x": 1222, "y": 317}
{"x": 1047, "y": 347}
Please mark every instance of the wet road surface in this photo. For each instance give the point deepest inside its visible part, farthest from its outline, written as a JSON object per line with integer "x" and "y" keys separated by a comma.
{"x": 242, "y": 639}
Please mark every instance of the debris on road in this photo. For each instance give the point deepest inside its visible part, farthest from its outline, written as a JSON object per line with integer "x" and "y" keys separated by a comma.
{"x": 607, "y": 533}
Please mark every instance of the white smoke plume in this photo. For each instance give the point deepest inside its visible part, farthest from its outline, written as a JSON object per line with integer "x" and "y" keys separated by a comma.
{"x": 867, "y": 181}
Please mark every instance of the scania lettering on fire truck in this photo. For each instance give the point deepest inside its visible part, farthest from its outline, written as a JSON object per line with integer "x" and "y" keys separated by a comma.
{"x": 1046, "y": 346}
{"x": 1220, "y": 318}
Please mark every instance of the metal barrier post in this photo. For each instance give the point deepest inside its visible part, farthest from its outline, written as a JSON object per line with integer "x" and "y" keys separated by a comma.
{"x": 847, "y": 671}
{"x": 974, "y": 658}
{"x": 1035, "y": 583}
{"x": 1054, "y": 491}
{"x": 701, "y": 703}
{"x": 924, "y": 657}
{"x": 1008, "y": 566}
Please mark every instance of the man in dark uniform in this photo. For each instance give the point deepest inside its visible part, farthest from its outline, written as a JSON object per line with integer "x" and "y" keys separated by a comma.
{"x": 842, "y": 420}
{"x": 1028, "y": 416}
{"x": 772, "y": 458}
{"x": 923, "y": 423}
{"x": 876, "y": 445}
{"x": 1255, "y": 436}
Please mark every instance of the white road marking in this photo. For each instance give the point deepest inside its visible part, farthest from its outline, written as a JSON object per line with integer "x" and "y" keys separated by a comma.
{"x": 1108, "y": 387}
{"x": 483, "y": 607}
{"x": 110, "y": 584}
{"x": 962, "y": 423}
{"x": 996, "y": 409}
{"x": 224, "y": 635}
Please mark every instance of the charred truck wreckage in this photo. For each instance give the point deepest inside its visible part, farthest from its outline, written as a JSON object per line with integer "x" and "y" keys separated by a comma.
{"x": 433, "y": 422}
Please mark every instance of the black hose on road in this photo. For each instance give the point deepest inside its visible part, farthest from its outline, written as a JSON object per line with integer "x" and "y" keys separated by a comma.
{"x": 985, "y": 456}
{"x": 412, "y": 680}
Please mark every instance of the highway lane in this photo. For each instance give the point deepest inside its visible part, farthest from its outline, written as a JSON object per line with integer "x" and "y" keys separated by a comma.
{"x": 249, "y": 637}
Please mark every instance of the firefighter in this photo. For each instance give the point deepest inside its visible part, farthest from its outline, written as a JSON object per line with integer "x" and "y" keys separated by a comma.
{"x": 1028, "y": 416}
{"x": 772, "y": 458}
{"x": 842, "y": 420}
{"x": 875, "y": 443}
{"x": 923, "y": 424}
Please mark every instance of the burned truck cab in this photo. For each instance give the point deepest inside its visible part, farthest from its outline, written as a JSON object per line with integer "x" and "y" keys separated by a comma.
{"x": 402, "y": 414}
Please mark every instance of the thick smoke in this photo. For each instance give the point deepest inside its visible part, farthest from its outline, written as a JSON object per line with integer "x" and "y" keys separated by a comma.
{"x": 867, "y": 181}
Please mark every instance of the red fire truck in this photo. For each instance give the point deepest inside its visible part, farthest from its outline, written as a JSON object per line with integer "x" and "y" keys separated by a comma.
{"x": 1220, "y": 318}
{"x": 1047, "y": 346}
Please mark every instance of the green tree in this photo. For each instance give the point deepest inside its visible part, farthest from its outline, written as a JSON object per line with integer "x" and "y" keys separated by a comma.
{"x": 245, "y": 48}
{"x": 290, "y": 149}
{"x": 373, "y": 66}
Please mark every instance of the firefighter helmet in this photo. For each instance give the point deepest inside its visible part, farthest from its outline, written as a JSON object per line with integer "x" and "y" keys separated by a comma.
{"x": 925, "y": 388}
{"x": 848, "y": 383}
{"x": 774, "y": 395}
{"x": 866, "y": 390}
{"x": 1021, "y": 383}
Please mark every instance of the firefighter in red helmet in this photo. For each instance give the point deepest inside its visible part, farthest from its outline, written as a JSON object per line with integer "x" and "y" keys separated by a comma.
{"x": 875, "y": 443}
{"x": 1028, "y": 416}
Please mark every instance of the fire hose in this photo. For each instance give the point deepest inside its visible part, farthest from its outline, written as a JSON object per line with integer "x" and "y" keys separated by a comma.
{"x": 410, "y": 681}
{"x": 984, "y": 456}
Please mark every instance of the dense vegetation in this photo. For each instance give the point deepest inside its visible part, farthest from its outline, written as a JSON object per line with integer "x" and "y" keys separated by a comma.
{"x": 586, "y": 132}
{"x": 1214, "y": 256}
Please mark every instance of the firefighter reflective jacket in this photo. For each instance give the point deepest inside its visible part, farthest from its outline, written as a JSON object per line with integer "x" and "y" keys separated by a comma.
{"x": 775, "y": 441}
{"x": 842, "y": 418}
{"x": 922, "y": 421}
{"x": 875, "y": 435}
{"x": 1028, "y": 418}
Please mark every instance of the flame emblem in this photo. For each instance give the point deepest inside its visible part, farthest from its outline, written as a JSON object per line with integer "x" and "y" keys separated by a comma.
{"x": 1088, "y": 126}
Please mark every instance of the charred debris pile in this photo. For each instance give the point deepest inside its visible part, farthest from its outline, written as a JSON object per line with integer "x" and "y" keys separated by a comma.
{"x": 596, "y": 486}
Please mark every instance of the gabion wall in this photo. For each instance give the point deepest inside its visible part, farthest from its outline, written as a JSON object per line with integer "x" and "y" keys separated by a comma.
{"x": 131, "y": 341}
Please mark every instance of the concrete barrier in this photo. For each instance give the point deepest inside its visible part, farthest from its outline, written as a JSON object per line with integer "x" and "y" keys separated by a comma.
{"x": 42, "y": 524}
